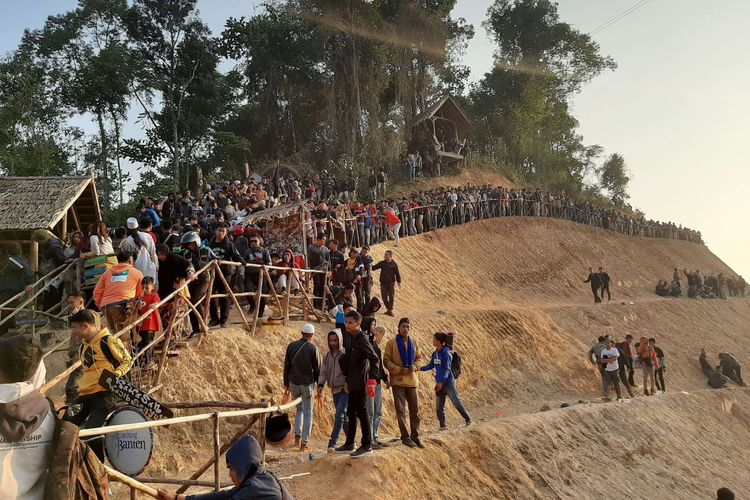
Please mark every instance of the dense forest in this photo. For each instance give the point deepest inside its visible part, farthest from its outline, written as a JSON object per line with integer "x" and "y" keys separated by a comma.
{"x": 315, "y": 84}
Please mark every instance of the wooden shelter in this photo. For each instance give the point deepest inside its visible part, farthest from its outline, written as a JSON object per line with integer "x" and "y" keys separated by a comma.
{"x": 61, "y": 204}
{"x": 442, "y": 123}
{"x": 284, "y": 227}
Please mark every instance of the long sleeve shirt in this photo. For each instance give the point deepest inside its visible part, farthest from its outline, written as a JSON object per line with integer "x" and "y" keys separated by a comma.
{"x": 301, "y": 363}
{"x": 388, "y": 272}
{"x": 103, "y": 352}
{"x": 440, "y": 362}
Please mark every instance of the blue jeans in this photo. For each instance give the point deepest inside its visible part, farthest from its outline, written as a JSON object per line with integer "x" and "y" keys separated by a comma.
{"x": 449, "y": 389}
{"x": 340, "y": 401}
{"x": 304, "y": 411}
{"x": 375, "y": 411}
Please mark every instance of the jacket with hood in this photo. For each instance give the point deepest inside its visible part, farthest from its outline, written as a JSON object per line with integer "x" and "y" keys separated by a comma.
{"x": 360, "y": 363}
{"x": 398, "y": 375}
{"x": 330, "y": 370}
{"x": 245, "y": 457}
{"x": 27, "y": 427}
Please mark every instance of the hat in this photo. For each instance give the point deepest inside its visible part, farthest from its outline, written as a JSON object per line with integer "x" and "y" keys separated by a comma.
{"x": 132, "y": 223}
{"x": 308, "y": 328}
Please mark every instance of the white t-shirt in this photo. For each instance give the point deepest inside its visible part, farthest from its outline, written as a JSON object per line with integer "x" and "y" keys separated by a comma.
{"x": 609, "y": 354}
{"x": 104, "y": 249}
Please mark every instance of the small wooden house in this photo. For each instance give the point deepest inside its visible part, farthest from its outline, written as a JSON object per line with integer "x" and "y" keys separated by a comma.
{"x": 60, "y": 204}
{"x": 442, "y": 128}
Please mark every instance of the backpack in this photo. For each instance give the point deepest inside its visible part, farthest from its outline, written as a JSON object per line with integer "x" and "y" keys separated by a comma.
{"x": 74, "y": 472}
{"x": 456, "y": 365}
{"x": 646, "y": 357}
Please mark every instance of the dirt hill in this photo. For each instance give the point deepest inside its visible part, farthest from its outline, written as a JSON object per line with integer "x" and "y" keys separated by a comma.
{"x": 512, "y": 290}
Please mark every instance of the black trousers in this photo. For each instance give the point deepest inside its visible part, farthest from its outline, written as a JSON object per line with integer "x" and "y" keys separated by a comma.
{"x": 219, "y": 309}
{"x": 596, "y": 295}
{"x": 629, "y": 366}
{"x": 197, "y": 291}
{"x": 606, "y": 288}
{"x": 388, "y": 294}
{"x": 93, "y": 413}
{"x": 251, "y": 285}
{"x": 659, "y": 378}
{"x": 319, "y": 290}
{"x": 357, "y": 411}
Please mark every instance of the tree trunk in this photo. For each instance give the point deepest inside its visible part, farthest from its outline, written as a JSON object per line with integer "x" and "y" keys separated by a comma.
{"x": 103, "y": 156}
{"x": 357, "y": 101}
{"x": 120, "y": 185}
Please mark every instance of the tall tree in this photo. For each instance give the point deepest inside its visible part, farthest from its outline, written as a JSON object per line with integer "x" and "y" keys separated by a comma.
{"x": 614, "y": 178}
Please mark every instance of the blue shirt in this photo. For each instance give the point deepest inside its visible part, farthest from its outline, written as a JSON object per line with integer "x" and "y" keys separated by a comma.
{"x": 154, "y": 217}
{"x": 441, "y": 363}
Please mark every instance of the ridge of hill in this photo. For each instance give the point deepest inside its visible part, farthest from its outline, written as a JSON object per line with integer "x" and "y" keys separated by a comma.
{"x": 512, "y": 290}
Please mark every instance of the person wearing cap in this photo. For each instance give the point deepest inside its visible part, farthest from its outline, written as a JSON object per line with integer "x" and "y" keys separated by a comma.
{"x": 401, "y": 357}
{"x": 142, "y": 246}
{"x": 301, "y": 375}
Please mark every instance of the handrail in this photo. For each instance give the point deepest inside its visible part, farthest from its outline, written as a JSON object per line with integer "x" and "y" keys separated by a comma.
{"x": 34, "y": 285}
{"x": 98, "y": 431}
{"x": 261, "y": 266}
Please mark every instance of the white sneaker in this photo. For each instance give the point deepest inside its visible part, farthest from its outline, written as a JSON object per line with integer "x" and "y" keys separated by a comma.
{"x": 620, "y": 400}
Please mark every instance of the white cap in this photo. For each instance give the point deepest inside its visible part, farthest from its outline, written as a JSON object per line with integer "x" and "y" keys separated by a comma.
{"x": 132, "y": 223}
{"x": 308, "y": 328}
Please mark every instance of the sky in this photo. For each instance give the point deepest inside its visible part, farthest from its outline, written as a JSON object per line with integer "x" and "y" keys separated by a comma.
{"x": 677, "y": 107}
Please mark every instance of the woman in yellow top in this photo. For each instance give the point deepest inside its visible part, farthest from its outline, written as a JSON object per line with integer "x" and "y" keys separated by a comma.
{"x": 99, "y": 351}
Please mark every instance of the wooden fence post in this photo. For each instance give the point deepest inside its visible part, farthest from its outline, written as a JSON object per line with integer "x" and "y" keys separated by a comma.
{"x": 217, "y": 452}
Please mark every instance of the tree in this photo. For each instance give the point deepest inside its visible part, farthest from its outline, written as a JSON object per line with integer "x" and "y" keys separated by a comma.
{"x": 614, "y": 178}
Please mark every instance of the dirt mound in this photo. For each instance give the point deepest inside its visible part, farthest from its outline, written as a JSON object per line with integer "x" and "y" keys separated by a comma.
{"x": 649, "y": 448}
{"x": 512, "y": 291}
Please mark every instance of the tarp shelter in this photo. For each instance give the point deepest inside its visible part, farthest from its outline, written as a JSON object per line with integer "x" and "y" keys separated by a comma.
{"x": 442, "y": 122}
{"x": 284, "y": 227}
{"x": 62, "y": 204}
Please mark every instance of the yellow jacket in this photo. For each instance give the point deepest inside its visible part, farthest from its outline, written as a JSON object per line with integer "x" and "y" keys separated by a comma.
{"x": 97, "y": 356}
{"x": 398, "y": 376}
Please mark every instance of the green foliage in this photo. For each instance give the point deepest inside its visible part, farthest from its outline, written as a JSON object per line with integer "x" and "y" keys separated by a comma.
{"x": 614, "y": 178}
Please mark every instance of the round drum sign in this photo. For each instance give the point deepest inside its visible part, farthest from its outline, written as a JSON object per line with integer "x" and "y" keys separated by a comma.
{"x": 128, "y": 451}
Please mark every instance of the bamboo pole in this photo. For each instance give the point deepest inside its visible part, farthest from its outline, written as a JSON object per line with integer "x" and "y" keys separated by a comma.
{"x": 35, "y": 311}
{"x": 258, "y": 266}
{"x": 217, "y": 453}
{"x": 183, "y": 482}
{"x": 167, "y": 339}
{"x": 110, "y": 429}
{"x": 203, "y": 468}
{"x": 233, "y": 297}
{"x": 214, "y": 404}
{"x": 258, "y": 298}
{"x": 272, "y": 287}
{"x": 128, "y": 481}
{"x": 209, "y": 292}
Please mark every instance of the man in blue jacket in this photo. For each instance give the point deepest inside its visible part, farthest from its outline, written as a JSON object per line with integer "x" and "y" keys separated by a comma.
{"x": 250, "y": 477}
{"x": 445, "y": 383}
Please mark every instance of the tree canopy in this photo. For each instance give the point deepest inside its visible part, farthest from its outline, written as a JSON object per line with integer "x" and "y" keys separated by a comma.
{"x": 319, "y": 84}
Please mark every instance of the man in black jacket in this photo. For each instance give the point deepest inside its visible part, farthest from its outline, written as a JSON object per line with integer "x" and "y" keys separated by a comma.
{"x": 319, "y": 254}
{"x": 301, "y": 372}
{"x": 173, "y": 269}
{"x": 256, "y": 254}
{"x": 389, "y": 276}
{"x": 360, "y": 367}
{"x": 595, "y": 284}
{"x": 604, "y": 280}
{"x": 224, "y": 250}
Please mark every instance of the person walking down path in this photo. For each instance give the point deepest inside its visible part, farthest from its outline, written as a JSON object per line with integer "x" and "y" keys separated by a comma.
{"x": 301, "y": 374}
{"x": 400, "y": 356}
{"x": 596, "y": 284}
{"x": 359, "y": 364}
{"x": 332, "y": 375}
{"x": 647, "y": 357}
{"x": 389, "y": 277}
{"x": 604, "y": 280}
{"x": 445, "y": 382}
{"x": 608, "y": 357}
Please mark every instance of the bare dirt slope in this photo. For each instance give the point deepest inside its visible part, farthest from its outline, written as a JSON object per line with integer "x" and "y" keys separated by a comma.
{"x": 512, "y": 290}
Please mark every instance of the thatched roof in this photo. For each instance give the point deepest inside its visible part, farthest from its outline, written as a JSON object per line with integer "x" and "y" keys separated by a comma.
{"x": 447, "y": 108}
{"x": 281, "y": 211}
{"x": 29, "y": 203}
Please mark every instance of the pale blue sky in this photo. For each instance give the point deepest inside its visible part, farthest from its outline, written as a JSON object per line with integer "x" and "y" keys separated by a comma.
{"x": 677, "y": 108}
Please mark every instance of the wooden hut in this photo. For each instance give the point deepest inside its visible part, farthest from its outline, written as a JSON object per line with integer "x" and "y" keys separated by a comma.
{"x": 442, "y": 128}
{"x": 61, "y": 204}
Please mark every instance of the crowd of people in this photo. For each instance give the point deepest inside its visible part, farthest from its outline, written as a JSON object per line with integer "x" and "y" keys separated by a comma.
{"x": 709, "y": 287}
{"x": 361, "y": 363}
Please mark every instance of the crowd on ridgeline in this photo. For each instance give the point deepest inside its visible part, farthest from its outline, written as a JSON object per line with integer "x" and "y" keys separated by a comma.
{"x": 699, "y": 287}
{"x": 617, "y": 363}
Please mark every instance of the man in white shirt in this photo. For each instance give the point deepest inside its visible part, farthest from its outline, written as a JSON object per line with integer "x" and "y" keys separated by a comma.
{"x": 27, "y": 424}
{"x": 608, "y": 358}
